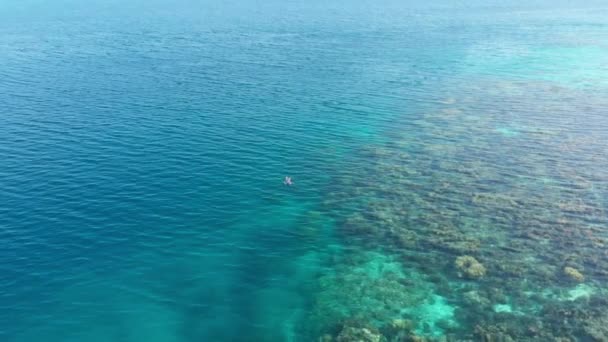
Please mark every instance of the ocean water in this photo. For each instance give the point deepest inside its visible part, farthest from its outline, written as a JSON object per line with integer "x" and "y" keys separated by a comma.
{"x": 449, "y": 163}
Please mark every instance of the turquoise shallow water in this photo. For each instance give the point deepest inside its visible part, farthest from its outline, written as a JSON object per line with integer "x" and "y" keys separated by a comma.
{"x": 449, "y": 164}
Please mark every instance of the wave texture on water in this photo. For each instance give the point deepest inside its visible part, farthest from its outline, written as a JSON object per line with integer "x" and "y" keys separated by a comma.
{"x": 449, "y": 167}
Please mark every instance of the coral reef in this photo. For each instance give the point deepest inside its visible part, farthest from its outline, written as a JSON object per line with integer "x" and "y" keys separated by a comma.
{"x": 469, "y": 267}
{"x": 596, "y": 328}
{"x": 368, "y": 287}
{"x": 352, "y": 334}
{"x": 574, "y": 274}
{"x": 400, "y": 324}
{"x": 526, "y": 198}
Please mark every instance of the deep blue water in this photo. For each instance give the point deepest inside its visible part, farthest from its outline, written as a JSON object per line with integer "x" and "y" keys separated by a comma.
{"x": 143, "y": 147}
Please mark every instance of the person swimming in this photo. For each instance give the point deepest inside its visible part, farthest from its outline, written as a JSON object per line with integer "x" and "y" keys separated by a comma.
{"x": 287, "y": 181}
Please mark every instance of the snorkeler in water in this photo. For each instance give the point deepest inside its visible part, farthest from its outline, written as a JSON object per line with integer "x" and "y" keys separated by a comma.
{"x": 287, "y": 181}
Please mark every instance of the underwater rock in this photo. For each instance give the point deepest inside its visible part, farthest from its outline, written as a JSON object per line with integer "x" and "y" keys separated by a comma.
{"x": 402, "y": 324}
{"x": 352, "y": 334}
{"x": 469, "y": 267}
{"x": 574, "y": 274}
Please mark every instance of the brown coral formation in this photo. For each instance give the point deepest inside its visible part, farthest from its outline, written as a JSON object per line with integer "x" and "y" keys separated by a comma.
{"x": 469, "y": 267}
{"x": 574, "y": 274}
{"x": 358, "y": 334}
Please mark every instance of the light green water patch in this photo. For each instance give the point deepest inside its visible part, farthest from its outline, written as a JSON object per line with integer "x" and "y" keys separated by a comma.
{"x": 541, "y": 131}
{"x": 507, "y": 131}
{"x": 364, "y": 132}
{"x": 507, "y": 308}
{"x": 580, "y": 291}
{"x": 379, "y": 265}
{"x": 568, "y": 65}
{"x": 432, "y": 316}
{"x": 548, "y": 180}
{"x": 514, "y": 130}
{"x": 375, "y": 288}
{"x": 503, "y": 308}
{"x": 573, "y": 65}
{"x": 471, "y": 117}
